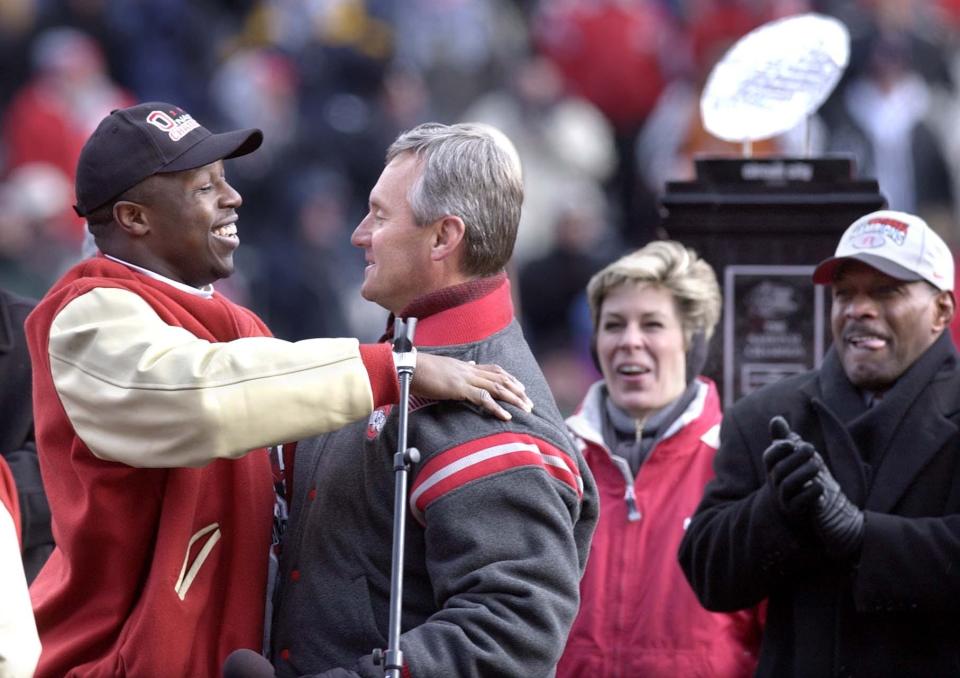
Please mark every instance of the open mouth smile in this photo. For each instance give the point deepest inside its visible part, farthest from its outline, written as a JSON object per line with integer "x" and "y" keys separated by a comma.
{"x": 227, "y": 234}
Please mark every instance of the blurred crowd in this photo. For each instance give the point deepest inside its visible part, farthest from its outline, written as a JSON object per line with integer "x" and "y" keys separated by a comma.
{"x": 599, "y": 96}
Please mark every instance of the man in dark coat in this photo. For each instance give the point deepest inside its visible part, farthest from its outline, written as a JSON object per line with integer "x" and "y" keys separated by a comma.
{"x": 16, "y": 432}
{"x": 837, "y": 495}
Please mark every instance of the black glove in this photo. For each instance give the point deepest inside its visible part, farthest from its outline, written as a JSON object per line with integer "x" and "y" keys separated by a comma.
{"x": 838, "y": 520}
{"x": 791, "y": 471}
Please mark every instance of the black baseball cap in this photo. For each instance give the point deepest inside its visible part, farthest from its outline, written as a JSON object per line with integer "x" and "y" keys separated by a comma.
{"x": 134, "y": 143}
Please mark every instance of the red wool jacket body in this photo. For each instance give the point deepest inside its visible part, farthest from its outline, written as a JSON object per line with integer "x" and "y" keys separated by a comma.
{"x": 160, "y": 567}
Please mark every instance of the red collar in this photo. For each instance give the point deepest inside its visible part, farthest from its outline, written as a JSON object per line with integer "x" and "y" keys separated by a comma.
{"x": 461, "y": 314}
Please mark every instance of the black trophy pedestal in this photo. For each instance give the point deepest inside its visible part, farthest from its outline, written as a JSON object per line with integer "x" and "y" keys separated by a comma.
{"x": 763, "y": 223}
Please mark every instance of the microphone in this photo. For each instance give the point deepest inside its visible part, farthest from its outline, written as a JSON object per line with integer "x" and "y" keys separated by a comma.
{"x": 247, "y": 664}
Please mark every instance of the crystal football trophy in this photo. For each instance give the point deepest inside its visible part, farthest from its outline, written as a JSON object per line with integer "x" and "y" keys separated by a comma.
{"x": 774, "y": 78}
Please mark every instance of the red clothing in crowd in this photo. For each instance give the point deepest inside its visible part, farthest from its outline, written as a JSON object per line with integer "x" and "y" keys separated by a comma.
{"x": 955, "y": 324}
{"x": 8, "y": 494}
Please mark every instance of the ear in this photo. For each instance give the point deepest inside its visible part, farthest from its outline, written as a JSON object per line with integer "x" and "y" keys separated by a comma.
{"x": 944, "y": 306}
{"x": 131, "y": 217}
{"x": 448, "y": 236}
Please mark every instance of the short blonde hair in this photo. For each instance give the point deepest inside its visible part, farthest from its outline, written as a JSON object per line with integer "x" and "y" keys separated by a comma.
{"x": 669, "y": 265}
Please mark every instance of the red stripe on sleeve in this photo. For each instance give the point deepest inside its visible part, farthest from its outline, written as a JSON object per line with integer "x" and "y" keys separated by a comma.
{"x": 485, "y": 457}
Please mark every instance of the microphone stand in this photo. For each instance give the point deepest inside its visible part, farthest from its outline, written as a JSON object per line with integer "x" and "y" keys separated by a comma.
{"x": 405, "y": 358}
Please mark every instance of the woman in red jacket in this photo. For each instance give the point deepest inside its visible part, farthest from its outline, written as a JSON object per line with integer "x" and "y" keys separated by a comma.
{"x": 649, "y": 431}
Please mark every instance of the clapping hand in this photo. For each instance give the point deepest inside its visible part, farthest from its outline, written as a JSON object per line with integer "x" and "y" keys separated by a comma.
{"x": 837, "y": 520}
{"x": 791, "y": 470}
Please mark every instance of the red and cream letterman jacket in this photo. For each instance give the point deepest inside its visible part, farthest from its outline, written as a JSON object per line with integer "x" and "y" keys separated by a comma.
{"x": 638, "y": 615}
{"x": 148, "y": 396}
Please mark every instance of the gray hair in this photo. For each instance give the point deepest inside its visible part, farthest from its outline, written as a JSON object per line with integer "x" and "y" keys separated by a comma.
{"x": 677, "y": 269}
{"x": 470, "y": 171}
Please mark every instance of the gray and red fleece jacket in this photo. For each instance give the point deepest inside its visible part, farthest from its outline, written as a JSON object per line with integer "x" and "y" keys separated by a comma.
{"x": 501, "y": 517}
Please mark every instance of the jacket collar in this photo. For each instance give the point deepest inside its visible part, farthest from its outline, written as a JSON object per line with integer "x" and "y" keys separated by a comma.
{"x": 587, "y": 421}
{"x": 834, "y": 389}
{"x": 905, "y": 430}
{"x": 911, "y": 425}
{"x": 206, "y": 291}
{"x": 461, "y": 314}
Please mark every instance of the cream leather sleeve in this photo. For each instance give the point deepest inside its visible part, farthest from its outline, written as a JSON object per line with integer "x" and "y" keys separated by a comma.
{"x": 147, "y": 394}
{"x": 19, "y": 643}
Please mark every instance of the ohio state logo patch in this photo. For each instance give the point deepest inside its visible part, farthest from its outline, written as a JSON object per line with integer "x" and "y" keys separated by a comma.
{"x": 378, "y": 418}
{"x": 176, "y": 128}
{"x": 876, "y": 232}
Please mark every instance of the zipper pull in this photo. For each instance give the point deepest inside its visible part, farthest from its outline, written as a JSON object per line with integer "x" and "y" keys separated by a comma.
{"x": 633, "y": 514}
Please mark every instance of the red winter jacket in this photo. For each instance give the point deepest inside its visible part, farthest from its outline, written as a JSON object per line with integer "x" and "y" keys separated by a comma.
{"x": 638, "y": 615}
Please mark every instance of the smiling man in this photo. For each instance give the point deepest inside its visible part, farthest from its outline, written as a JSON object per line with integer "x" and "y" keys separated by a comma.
{"x": 837, "y": 496}
{"x": 501, "y": 512}
{"x": 155, "y": 399}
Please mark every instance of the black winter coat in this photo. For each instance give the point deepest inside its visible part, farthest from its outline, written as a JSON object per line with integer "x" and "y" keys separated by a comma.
{"x": 895, "y": 612}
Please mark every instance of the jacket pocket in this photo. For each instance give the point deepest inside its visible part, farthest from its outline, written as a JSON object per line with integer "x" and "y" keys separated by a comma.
{"x": 365, "y": 622}
{"x": 209, "y": 535}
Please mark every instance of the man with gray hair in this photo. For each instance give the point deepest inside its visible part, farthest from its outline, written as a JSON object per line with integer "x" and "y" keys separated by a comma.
{"x": 502, "y": 512}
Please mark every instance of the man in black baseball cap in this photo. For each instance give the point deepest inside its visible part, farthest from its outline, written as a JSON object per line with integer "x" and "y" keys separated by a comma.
{"x": 138, "y": 184}
{"x": 132, "y": 168}
{"x": 134, "y": 143}
{"x": 160, "y": 405}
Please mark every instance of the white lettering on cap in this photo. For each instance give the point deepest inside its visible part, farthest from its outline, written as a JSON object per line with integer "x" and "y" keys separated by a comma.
{"x": 176, "y": 128}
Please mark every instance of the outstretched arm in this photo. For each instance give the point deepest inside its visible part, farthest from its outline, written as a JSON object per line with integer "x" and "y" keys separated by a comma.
{"x": 111, "y": 354}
